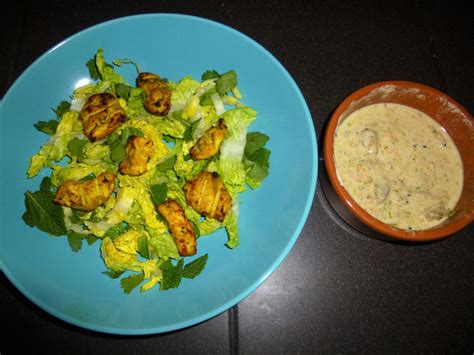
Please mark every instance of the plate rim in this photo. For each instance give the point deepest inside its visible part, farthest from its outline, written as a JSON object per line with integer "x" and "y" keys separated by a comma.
{"x": 274, "y": 265}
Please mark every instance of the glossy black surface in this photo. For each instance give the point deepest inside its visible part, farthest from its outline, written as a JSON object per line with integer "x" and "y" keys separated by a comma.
{"x": 338, "y": 290}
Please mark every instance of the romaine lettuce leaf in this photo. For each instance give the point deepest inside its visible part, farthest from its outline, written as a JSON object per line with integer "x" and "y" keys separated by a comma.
{"x": 208, "y": 226}
{"x": 127, "y": 242}
{"x": 73, "y": 171}
{"x": 163, "y": 244}
{"x": 230, "y": 164}
{"x": 124, "y": 201}
{"x": 231, "y": 226}
{"x": 57, "y": 146}
{"x": 116, "y": 259}
{"x": 183, "y": 92}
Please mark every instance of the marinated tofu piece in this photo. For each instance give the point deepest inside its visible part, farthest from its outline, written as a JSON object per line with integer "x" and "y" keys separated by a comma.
{"x": 207, "y": 194}
{"x": 86, "y": 195}
{"x": 157, "y": 99}
{"x": 210, "y": 142}
{"x": 101, "y": 116}
{"x": 180, "y": 227}
{"x": 139, "y": 151}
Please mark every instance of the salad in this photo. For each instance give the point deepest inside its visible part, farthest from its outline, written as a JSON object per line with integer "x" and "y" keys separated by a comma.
{"x": 146, "y": 169}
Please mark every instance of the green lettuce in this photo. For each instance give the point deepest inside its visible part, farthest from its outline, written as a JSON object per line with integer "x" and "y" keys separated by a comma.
{"x": 182, "y": 92}
{"x": 57, "y": 146}
{"x": 163, "y": 245}
{"x": 230, "y": 166}
{"x": 73, "y": 171}
{"x": 208, "y": 226}
{"x": 232, "y": 226}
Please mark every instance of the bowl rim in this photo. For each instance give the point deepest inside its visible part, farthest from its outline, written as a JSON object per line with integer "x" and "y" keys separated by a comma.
{"x": 350, "y": 203}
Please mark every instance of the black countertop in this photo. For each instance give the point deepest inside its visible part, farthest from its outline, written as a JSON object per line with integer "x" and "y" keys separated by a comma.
{"x": 337, "y": 291}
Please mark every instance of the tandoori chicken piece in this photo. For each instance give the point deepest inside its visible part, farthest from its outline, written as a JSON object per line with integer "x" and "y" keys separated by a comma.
{"x": 209, "y": 143}
{"x": 139, "y": 151}
{"x": 157, "y": 99}
{"x": 101, "y": 116}
{"x": 86, "y": 195}
{"x": 180, "y": 227}
{"x": 207, "y": 194}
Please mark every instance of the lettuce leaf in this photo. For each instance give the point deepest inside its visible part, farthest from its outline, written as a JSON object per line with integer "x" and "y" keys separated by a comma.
{"x": 183, "y": 92}
{"x": 116, "y": 259}
{"x": 163, "y": 245}
{"x": 73, "y": 171}
{"x": 230, "y": 164}
{"x": 57, "y": 146}
{"x": 232, "y": 227}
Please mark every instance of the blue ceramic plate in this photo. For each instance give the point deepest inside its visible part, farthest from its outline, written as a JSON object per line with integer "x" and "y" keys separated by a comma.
{"x": 70, "y": 285}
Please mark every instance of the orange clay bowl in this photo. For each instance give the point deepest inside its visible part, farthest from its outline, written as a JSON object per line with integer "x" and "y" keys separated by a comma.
{"x": 448, "y": 113}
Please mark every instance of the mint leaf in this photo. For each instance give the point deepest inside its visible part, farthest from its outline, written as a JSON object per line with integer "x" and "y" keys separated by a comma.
{"x": 61, "y": 109}
{"x": 167, "y": 164}
{"x": 120, "y": 62}
{"x": 205, "y": 100}
{"x": 210, "y": 74}
{"x": 112, "y": 138}
{"x": 93, "y": 70}
{"x": 254, "y": 141}
{"x": 171, "y": 274}
{"x": 257, "y": 166}
{"x": 48, "y": 127}
{"x": 256, "y": 159}
{"x": 91, "y": 239}
{"x": 158, "y": 193}
{"x": 76, "y": 148}
{"x": 118, "y": 143}
{"x": 130, "y": 282}
{"x": 114, "y": 274}
{"x": 189, "y": 132}
{"x": 142, "y": 244}
{"x": 75, "y": 240}
{"x": 123, "y": 90}
{"x": 42, "y": 212}
{"x": 114, "y": 231}
{"x": 195, "y": 267}
{"x": 226, "y": 82}
{"x": 45, "y": 184}
{"x": 118, "y": 154}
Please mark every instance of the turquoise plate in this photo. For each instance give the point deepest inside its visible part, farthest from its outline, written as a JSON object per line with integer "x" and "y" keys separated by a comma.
{"x": 70, "y": 285}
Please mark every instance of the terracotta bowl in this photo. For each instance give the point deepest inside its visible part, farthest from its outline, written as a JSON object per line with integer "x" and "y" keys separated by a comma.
{"x": 448, "y": 113}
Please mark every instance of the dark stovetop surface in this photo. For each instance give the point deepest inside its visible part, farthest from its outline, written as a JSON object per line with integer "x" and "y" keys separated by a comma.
{"x": 338, "y": 290}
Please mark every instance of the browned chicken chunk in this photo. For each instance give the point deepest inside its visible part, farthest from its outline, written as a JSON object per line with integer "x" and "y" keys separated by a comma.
{"x": 86, "y": 195}
{"x": 207, "y": 194}
{"x": 101, "y": 116}
{"x": 209, "y": 143}
{"x": 139, "y": 151}
{"x": 180, "y": 227}
{"x": 157, "y": 93}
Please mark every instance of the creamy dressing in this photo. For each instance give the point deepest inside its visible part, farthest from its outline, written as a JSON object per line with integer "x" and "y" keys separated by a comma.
{"x": 399, "y": 165}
